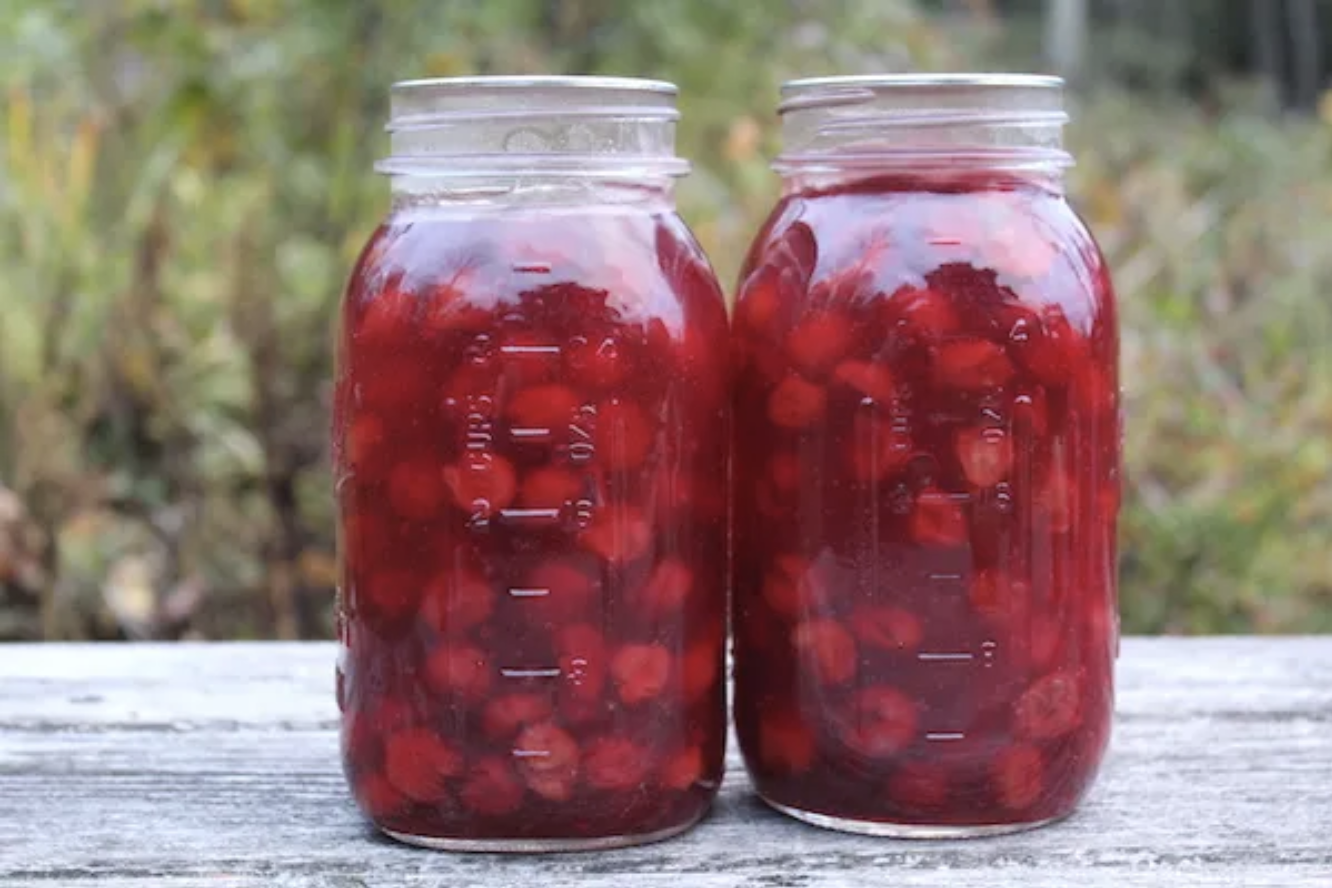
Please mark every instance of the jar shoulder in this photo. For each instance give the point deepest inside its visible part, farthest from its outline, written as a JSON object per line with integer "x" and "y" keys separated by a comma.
{"x": 634, "y": 264}
{"x": 1028, "y": 244}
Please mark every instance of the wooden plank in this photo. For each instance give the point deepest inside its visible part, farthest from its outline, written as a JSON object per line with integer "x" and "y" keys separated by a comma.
{"x": 193, "y": 765}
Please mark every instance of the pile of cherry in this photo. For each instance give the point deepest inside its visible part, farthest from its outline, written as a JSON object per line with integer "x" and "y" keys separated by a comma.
{"x": 530, "y": 447}
{"x": 927, "y": 424}
{"x": 531, "y": 444}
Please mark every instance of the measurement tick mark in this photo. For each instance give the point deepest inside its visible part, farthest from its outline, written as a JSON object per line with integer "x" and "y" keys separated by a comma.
{"x": 538, "y": 516}
{"x": 946, "y": 736}
{"x": 944, "y": 657}
{"x": 529, "y": 593}
{"x": 531, "y": 753}
{"x": 530, "y": 349}
{"x": 553, "y": 672}
{"x": 528, "y": 432}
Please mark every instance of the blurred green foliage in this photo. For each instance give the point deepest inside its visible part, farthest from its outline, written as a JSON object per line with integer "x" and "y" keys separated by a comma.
{"x": 184, "y": 185}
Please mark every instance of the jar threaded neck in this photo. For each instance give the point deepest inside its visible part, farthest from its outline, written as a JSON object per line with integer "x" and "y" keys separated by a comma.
{"x": 999, "y": 121}
{"x": 481, "y": 127}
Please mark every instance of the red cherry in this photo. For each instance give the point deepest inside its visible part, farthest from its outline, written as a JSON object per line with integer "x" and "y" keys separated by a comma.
{"x": 827, "y": 649}
{"x": 363, "y": 439}
{"x": 1049, "y": 708}
{"x": 503, "y": 716}
{"x": 790, "y": 588}
{"x": 491, "y": 788}
{"x": 785, "y": 744}
{"x": 927, "y": 314}
{"x": 1045, "y": 640}
{"x": 378, "y": 797}
{"x": 1003, "y": 601}
{"x": 456, "y": 601}
{"x": 387, "y": 317}
{"x": 985, "y": 454}
{"x": 938, "y": 519}
{"x": 481, "y": 483}
{"x": 781, "y": 594}
{"x": 416, "y": 489}
{"x": 394, "y": 594}
{"x": 615, "y": 763}
{"x": 702, "y": 668}
{"x": 568, "y": 589}
{"x": 623, "y": 437}
{"x": 878, "y": 722}
{"x": 1046, "y": 344}
{"x": 447, "y": 309}
{"x": 758, "y": 303}
{"x": 818, "y": 342}
{"x": 1056, "y": 500}
{"x": 550, "y": 407}
{"x": 666, "y": 590}
{"x": 417, "y": 763}
{"x": 886, "y": 627}
{"x": 795, "y": 403}
{"x": 459, "y": 669}
{"x": 641, "y": 671}
{"x": 618, "y": 534}
{"x": 682, "y": 770}
{"x": 1019, "y": 776}
{"x": 919, "y": 786}
{"x": 597, "y": 361}
{"x": 548, "y": 757}
{"x": 866, "y": 377}
{"x": 971, "y": 365}
{"x": 550, "y": 488}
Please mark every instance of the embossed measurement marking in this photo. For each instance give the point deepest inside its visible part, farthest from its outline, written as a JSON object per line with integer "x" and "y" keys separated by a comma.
{"x": 529, "y": 593}
{"x": 549, "y": 672}
{"x": 941, "y": 657}
{"x": 528, "y": 433}
{"x": 553, "y": 350}
{"x": 529, "y": 516}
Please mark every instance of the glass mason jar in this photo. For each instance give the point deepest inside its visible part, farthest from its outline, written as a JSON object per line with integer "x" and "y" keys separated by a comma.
{"x": 530, "y": 453}
{"x": 927, "y": 464}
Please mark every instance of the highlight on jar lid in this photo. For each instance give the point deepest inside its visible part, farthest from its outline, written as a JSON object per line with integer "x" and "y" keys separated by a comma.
{"x": 1021, "y": 115}
{"x": 481, "y": 126}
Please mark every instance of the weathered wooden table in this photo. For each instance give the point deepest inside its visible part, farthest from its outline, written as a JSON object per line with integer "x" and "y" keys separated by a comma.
{"x": 217, "y": 765}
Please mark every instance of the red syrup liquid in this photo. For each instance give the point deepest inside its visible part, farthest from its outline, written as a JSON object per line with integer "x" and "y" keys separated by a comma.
{"x": 927, "y": 485}
{"x": 529, "y": 444}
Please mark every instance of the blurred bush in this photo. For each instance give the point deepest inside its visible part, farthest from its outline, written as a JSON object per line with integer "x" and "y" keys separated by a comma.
{"x": 185, "y": 183}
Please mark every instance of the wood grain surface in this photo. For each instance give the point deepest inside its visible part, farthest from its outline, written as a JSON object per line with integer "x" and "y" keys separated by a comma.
{"x": 217, "y": 765}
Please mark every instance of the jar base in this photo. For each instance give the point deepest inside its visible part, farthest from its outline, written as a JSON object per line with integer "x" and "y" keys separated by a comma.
{"x": 907, "y": 830}
{"x": 540, "y": 846}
